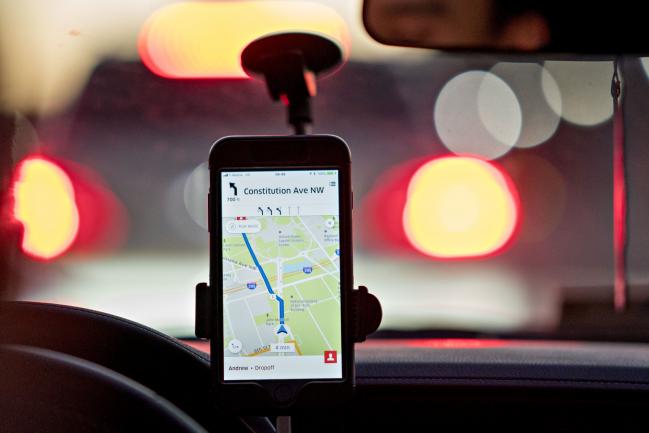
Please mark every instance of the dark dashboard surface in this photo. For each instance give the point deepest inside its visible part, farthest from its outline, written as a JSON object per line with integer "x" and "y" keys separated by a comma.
{"x": 401, "y": 385}
{"x": 503, "y": 363}
{"x": 500, "y": 385}
{"x": 494, "y": 385}
{"x": 566, "y": 364}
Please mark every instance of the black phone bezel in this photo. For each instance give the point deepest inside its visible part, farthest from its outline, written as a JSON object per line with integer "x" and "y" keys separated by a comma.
{"x": 248, "y": 153}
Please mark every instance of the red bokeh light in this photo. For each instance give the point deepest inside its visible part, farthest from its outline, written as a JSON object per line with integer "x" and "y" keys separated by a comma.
{"x": 198, "y": 40}
{"x": 460, "y": 208}
{"x": 63, "y": 206}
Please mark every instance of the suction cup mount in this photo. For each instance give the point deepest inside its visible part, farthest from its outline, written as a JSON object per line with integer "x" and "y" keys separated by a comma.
{"x": 290, "y": 62}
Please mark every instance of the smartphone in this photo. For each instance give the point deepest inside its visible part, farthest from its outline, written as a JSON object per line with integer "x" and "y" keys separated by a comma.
{"x": 281, "y": 272}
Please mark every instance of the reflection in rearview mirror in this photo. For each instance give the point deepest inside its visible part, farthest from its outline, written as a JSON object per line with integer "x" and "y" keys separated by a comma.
{"x": 460, "y": 23}
{"x": 507, "y": 25}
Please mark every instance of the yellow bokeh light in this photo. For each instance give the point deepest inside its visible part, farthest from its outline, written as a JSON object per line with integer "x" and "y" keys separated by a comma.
{"x": 205, "y": 39}
{"x": 44, "y": 203}
{"x": 460, "y": 207}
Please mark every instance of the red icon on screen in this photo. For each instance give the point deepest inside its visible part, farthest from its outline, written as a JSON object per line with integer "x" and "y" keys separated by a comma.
{"x": 330, "y": 357}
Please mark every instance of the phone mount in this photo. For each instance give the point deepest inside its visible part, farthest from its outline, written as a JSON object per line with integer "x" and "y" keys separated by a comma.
{"x": 366, "y": 317}
{"x": 290, "y": 62}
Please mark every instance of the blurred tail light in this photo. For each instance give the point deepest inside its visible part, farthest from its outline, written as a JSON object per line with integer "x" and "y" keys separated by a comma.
{"x": 44, "y": 203}
{"x": 62, "y": 205}
{"x": 453, "y": 207}
{"x": 205, "y": 39}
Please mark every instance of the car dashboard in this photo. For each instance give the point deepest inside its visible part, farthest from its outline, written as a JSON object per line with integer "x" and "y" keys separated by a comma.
{"x": 502, "y": 385}
{"x": 401, "y": 384}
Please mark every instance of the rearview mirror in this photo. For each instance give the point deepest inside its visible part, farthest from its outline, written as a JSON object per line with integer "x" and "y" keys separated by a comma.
{"x": 525, "y": 26}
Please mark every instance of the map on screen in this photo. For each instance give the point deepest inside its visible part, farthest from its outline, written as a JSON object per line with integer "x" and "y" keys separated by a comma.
{"x": 281, "y": 275}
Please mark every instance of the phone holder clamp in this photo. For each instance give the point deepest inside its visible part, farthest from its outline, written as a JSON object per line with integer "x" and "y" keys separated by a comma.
{"x": 366, "y": 317}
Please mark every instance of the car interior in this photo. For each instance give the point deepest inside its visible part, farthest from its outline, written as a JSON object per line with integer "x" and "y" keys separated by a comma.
{"x": 500, "y": 194}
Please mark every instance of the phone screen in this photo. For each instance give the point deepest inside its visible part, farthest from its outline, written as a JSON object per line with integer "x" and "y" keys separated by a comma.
{"x": 281, "y": 274}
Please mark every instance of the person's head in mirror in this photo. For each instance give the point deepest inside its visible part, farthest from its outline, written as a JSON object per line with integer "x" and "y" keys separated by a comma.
{"x": 491, "y": 24}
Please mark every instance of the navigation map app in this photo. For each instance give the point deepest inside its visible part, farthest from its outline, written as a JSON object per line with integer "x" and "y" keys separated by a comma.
{"x": 281, "y": 275}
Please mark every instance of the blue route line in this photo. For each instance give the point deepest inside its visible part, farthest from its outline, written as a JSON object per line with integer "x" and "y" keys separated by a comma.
{"x": 281, "y": 329}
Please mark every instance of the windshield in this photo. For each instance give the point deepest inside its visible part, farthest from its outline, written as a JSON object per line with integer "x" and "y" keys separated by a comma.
{"x": 483, "y": 188}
